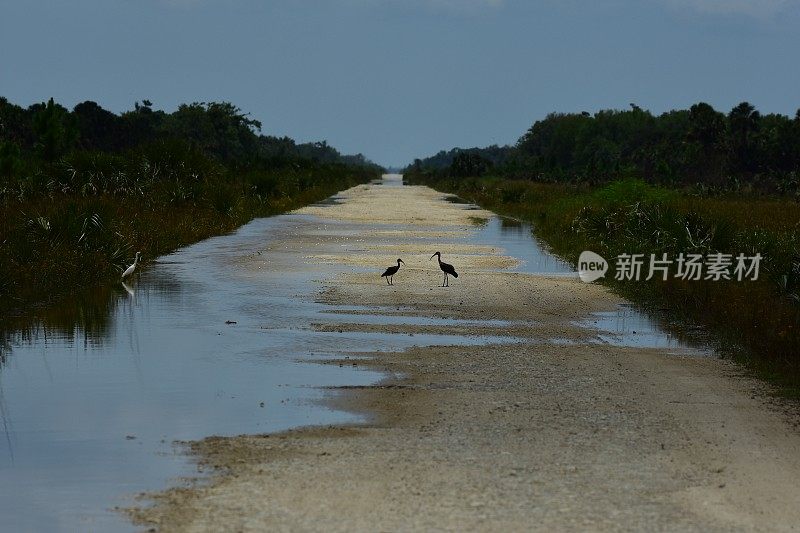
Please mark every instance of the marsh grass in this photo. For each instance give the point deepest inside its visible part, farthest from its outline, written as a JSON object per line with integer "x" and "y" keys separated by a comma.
{"x": 755, "y": 322}
{"x": 80, "y": 220}
{"x": 478, "y": 221}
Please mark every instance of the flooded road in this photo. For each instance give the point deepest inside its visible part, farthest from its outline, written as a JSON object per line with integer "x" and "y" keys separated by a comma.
{"x": 518, "y": 395}
{"x": 220, "y": 338}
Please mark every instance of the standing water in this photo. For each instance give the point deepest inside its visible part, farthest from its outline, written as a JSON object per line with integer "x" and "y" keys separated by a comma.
{"x": 95, "y": 392}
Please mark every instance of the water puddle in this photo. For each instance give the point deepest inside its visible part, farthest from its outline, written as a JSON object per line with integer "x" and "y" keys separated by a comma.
{"x": 94, "y": 395}
{"x": 516, "y": 239}
{"x": 631, "y": 328}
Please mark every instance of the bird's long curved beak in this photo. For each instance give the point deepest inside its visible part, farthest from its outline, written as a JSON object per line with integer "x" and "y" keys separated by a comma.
{"x": 402, "y": 261}
{"x": 434, "y": 255}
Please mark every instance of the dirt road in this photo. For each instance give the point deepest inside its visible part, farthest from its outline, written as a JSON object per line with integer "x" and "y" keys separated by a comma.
{"x": 552, "y": 432}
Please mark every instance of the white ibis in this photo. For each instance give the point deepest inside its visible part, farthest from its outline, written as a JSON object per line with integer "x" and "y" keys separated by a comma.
{"x": 447, "y": 269}
{"x": 130, "y": 269}
{"x": 391, "y": 271}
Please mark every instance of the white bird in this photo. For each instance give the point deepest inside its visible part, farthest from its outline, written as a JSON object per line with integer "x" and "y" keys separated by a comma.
{"x": 130, "y": 269}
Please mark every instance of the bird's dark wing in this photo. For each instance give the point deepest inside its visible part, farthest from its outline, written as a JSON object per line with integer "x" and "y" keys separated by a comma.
{"x": 449, "y": 269}
{"x": 389, "y": 272}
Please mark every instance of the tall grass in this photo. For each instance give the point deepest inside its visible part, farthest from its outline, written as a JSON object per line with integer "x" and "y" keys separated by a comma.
{"x": 80, "y": 220}
{"x": 756, "y": 321}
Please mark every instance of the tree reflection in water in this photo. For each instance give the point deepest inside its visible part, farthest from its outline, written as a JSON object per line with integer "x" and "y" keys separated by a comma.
{"x": 87, "y": 316}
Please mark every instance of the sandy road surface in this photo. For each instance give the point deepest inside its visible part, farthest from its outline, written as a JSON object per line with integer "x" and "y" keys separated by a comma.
{"x": 541, "y": 434}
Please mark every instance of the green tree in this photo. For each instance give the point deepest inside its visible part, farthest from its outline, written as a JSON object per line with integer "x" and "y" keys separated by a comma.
{"x": 220, "y": 129}
{"x": 99, "y": 129}
{"x": 743, "y": 128}
{"x": 10, "y": 160}
{"x": 55, "y": 130}
{"x": 704, "y": 153}
{"x": 142, "y": 125}
{"x": 468, "y": 164}
{"x": 15, "y": 125}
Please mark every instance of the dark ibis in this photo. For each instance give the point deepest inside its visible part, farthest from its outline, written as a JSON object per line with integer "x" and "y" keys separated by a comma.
{"x": 447, "y": 269}
{"x": 391, "y": 271}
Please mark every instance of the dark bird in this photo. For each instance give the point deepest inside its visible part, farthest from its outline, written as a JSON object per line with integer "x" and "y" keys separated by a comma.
{"x": 447, "y": 269}
{"x": 391, "y": 271}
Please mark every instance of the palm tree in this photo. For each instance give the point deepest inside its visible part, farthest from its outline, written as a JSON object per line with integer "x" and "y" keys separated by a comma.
{"x": 743, "y": 122}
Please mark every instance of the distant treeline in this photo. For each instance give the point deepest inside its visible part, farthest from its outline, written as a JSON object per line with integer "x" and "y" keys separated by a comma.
{"x": 47, "y": 132}
{"x": 698, "y": 146}
{"x": 461, "y": 162}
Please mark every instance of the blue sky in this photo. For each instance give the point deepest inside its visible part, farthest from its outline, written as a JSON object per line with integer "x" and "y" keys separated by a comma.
{"x": 397, "y": 79}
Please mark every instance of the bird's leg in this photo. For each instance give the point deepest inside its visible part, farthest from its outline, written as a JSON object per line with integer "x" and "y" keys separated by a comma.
{"x": 446, "y": 280}
{"x": 391, "y": 280}
{"x": 387, "y": 280}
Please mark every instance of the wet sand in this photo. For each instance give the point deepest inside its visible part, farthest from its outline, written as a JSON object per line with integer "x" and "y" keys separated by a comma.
{"x": 549, "y": 432}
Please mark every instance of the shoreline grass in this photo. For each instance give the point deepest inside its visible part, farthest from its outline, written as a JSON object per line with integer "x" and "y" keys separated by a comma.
{"x": 754, "y": 322}
{"x": 56, "y": 245}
